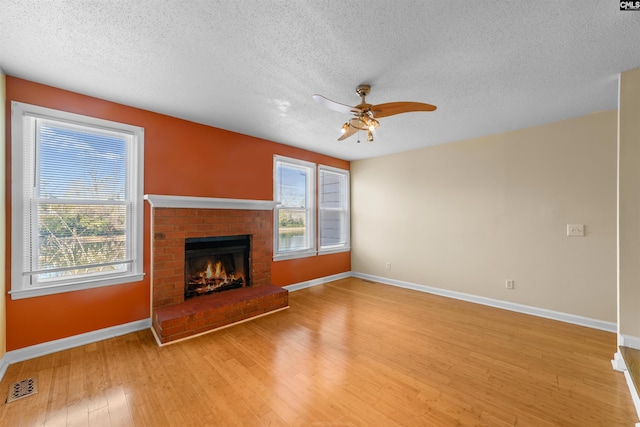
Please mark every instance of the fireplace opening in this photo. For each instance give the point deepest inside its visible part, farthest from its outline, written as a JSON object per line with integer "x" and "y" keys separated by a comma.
{"x": 216, "y": 264}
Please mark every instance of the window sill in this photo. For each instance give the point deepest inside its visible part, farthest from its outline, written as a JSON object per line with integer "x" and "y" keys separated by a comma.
{"x": 293, "y": 255}
{"x": 335, "y": 250}
{"x": 58, "y": 289}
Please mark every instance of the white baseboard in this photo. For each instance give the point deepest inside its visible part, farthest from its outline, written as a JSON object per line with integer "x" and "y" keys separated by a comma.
{"x": 619, "y": 365}
{"x": 520, "y": 308}
{"x": 618, "y": 362}
{"x": 629, "y": 341}
{"x": 38, "y": 350}
{"x": 633, "y": 392}
{"x": 3, "y": 366}
{"x": 315, "y": 282}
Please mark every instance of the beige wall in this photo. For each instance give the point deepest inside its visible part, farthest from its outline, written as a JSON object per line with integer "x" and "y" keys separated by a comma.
{"x": 465, "y": 216}
{"x": 629, "y": 203}
{"x": 3, "y": 322}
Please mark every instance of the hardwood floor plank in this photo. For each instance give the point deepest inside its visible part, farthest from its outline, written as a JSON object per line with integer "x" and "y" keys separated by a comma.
{"x": 117, "y": 408}
{"x": 57, "y": 405}
{"x": 350, "y": 352}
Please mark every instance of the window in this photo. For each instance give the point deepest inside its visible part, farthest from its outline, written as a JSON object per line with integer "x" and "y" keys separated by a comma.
{"x": 295, "y": 213}
{"x": 76, "y": 202}
{"x": 333, "y": 209}
{"x": 294, "y": 192}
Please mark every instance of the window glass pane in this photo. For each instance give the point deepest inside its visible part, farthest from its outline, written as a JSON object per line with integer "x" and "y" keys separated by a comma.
{"x": 80, "y": 164}
{"x": 79, "y": 235}
{"x": 292, "y": 232}
{"x": 291, "y": 218}
{"x": 295, "y": 213}
{"x": 292, "y": 185}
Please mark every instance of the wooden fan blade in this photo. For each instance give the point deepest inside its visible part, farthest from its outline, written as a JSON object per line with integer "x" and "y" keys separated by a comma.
{"x": 350, "y": 131}
{"x": 391, "y": 108}
{"x": 336, "y": 106}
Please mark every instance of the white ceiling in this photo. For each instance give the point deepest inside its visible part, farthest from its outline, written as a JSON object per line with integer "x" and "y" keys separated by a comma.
{"x": 251, "y": 66}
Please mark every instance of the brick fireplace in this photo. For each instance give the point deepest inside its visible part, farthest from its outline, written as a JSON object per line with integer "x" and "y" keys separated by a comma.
{"x": 178, "y": 219}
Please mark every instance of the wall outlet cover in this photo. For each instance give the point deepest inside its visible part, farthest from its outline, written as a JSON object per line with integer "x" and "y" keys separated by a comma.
{"x": 575, "y": 230}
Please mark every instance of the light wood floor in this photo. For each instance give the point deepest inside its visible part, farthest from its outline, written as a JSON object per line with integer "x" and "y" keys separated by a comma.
{"x": 348, "y": 353}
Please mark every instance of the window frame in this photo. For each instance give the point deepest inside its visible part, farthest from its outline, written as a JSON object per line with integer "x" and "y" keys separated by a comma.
{"x": 346, "y": 199}
{"x": 310, "y": 214}
{"x": 20, "y": 286}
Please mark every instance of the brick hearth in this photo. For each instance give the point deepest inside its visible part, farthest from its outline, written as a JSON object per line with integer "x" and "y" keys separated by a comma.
{"x": 175, "y": 318}
{"x": 208, "y": 312}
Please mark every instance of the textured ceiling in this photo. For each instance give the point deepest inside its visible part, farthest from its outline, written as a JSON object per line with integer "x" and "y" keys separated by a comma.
{"x": 251, "y": 66}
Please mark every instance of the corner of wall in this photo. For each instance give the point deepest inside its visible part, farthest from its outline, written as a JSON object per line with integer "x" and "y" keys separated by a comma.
{"x": 3, "y": 322}
{"x": 628, "y": 210}
{"x": 628, "y": 204}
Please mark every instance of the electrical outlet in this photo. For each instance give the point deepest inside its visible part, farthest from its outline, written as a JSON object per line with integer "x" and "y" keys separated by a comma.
{"x": 388, "y": 266}
{"x": 510, "y": 284}
{"x": 576, "y": 230}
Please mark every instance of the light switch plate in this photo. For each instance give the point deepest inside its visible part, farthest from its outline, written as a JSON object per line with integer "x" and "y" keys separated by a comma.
{"x": 575, "y": 230}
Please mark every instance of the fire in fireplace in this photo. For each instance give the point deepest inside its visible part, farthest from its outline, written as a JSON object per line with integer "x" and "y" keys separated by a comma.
{"x": 216, "y": 264}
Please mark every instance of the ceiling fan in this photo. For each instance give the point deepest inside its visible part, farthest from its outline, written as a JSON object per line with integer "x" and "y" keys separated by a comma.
{"x": 365, "y": 115}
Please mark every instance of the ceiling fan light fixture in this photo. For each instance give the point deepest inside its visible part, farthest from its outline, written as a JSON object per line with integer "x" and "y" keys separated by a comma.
{"x": 363, "y": 115}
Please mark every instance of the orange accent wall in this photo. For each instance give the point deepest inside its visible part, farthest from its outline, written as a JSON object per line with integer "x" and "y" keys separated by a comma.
{"x": 173, "y": 150}
{"x": 300, "y": 269}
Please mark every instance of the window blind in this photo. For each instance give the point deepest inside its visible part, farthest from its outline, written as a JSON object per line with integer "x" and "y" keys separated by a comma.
{"x": 77, "y": 206}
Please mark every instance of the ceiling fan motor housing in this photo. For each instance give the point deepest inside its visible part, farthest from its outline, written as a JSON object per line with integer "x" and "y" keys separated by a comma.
{"x": 363, "y": 90}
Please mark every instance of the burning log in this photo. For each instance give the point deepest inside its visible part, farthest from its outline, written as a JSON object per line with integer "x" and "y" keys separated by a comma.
{"x": 197, "y": 286}
{"x": 213, "y": 279}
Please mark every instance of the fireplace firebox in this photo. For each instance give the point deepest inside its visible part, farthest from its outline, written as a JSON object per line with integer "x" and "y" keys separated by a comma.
{"x": 216, "y": 264}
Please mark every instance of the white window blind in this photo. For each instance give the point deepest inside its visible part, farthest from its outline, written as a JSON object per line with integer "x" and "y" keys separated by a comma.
{"x": 77, "y": 201}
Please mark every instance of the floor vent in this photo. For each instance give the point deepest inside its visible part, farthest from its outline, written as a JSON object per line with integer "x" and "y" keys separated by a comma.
{"x": 368, "y": 281}
{"x": 22, "y": 389}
